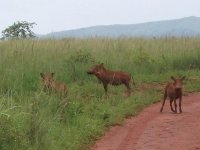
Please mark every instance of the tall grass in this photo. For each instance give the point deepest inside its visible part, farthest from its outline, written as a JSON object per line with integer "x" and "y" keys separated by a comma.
{"x": 33, "y": 119}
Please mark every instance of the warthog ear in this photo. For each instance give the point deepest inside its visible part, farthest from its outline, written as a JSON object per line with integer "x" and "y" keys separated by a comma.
{"x": 42, "y": 75}
{"x": 52, "y": 74}
{"x": 173, "y": 78}
{"x": 183, "y": 78}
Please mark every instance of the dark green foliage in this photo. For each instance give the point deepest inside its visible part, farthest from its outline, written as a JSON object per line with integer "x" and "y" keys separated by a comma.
{"x": 19, "y": 30}
{"x": 78, "y": 63}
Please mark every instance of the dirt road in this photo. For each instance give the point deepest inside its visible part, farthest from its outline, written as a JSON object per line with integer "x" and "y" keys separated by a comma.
{"x": 152, "y": 130}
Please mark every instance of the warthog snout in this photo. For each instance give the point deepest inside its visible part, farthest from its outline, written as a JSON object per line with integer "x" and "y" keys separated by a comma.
{"x": 90, "y": 72}
{"x": 178, "y": 83}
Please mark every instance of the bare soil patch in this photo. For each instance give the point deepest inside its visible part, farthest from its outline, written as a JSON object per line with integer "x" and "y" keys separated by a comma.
{"x": 152, "y": 130}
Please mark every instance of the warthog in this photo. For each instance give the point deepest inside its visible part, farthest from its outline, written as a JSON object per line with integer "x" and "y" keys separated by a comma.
{"x": 50, "y": 84}
{"x": 174, "y": 90}
{"x": 111, "y": 77}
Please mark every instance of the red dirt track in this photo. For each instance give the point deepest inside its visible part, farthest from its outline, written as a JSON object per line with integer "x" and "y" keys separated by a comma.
{"x": 152, "y": 130}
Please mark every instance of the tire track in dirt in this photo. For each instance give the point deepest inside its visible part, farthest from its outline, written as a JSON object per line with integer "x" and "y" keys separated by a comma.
{"x": 152, "y": 130}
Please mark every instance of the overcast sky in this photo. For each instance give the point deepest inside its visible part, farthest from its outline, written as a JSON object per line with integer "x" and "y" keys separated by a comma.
{"x": 58, "y": 15}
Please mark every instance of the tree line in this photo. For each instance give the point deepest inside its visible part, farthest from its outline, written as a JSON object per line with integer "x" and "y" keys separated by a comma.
{"x": 19, "y": 30}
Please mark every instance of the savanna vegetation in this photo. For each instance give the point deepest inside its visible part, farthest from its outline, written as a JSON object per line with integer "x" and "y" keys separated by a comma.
{"x": 31, "y": 118}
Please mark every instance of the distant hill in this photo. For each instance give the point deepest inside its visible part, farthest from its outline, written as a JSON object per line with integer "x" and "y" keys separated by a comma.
{"x": 189, "y": 26}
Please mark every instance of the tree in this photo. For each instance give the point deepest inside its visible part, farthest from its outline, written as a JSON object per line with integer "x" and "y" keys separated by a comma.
{"x": 19, "y": 30}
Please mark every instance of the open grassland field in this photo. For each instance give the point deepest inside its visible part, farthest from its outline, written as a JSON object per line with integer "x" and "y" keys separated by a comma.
{"x": 31, "y": 118}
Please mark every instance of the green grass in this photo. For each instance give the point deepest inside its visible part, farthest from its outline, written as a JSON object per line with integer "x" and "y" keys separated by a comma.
{"x": 33, "y": 119}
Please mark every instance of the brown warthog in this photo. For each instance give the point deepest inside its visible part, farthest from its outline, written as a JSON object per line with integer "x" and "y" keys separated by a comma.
{"x": 111, "y": 77}
{"x": 174, "y": 90}
{"x": 50, "y": 84}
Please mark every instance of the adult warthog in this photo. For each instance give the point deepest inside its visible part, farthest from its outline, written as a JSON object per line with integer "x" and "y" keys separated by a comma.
{"x": 111, "y": 77}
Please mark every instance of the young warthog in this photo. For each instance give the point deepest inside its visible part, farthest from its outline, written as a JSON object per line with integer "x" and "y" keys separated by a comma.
{"x": 50, "y": 84}
{"x": 111, "y": 77}
{"x": 174, "y": 91}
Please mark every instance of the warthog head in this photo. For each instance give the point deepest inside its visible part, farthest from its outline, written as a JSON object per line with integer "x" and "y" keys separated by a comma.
{"x": 96, "y": 69}
{"x": 47, "y": 79}
{"x": 178, "y": 82}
